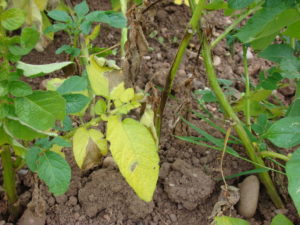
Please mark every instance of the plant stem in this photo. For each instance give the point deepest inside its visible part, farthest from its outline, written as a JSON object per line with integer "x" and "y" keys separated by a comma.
{"x": 191, "y": 29}
{"x": 233, "y": 25}
{"x": 9, "y": 181}
{"x": 237, "y": 124}
{"x": 247, "y": 84}
{"x": 274, "y": 155}
{"x": 125, "y": 29}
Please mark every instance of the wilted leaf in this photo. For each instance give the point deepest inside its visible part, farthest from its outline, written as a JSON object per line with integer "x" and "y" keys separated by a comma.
{"x": 135, "y": 152}
{"x": 32, "y": 70}
{"x": 148, "y": 121}
{"x": 88, "y": 147}
{"x": 98, "y": 81}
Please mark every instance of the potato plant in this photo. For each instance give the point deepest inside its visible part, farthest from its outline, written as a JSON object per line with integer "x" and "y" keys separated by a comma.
{"x": 263, "y": 122}
{"x": 37, "y": 124}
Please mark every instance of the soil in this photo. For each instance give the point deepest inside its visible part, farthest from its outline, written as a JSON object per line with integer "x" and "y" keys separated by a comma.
{"x": 189, "y": 186}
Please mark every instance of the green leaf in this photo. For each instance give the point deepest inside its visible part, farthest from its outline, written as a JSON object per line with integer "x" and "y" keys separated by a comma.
{"x": 32, "y": 70}
{"x": 293, "y": 110}
{"x": 258, "y": 24}
{"x": 100, "y": 107}
{"x": 114, "y": 19}
{"x": 12, "y": 19}
{"x": 4, "y": 87}
{"x": 98, "y": 81}
{"x": 55, "y": 28}
{"x": 277, "y": 52}
{"x": 239, "y": 4}
{"x": 54, "y": 171}
{"x": 59, "y": 15}
{"x": 285, "y": 133}
{"x": 81, "y": 9}
{"x": 72, "y": 85}
{"x": 134, "y": 150}
{"x": 28, "y": 40}
{"x": 88, "y": 147}
{"x": 41, "y": 109}
{"x": 75, "y": 102}
{"x": 29, "y": 37}
{"x": 293, "y": 30}
{"x": 281, "y": 219}
{"x": 19, "y": 88}
{"x": 290, "y": 68}
{"x": 19, "y": 131}
{"x": 226, "y": 220}
{"x": 69, "y": 50}
{"x": 293, "y": 171}
{"x": 31, "y": 158}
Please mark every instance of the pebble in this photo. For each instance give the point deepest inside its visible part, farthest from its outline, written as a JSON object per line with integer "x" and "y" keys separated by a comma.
{"x": 147, "y": 57}
{"x": 249, "y": 192}
{"x": 216, "y": 60}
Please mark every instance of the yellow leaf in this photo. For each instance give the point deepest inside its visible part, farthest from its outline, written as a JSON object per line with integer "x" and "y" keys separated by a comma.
{"x": 80, "y": 142}
{"x": 148, "y": 120}
{"x": 117, "y": 92}
{"x": 98, "y": 81}
{"x": 57, "y": 149}
{"x": 180, "y": 2}
{"x": 127, "y": 95}
{"x": 41, "y": 4}
{"x": 88, "y": 147}
{"x": 135, "y": 153}
{"x": 97, "y": 138}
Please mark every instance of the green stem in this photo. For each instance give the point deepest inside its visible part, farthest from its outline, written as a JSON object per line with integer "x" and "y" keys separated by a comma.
{"x": 237, "y": 124}
{"x": 233, "y": 25}
{"x": 293, "y": 43}
{"x": 125, "y": 29}
{"x": 247, "y": 84}
{"x": 271, "y": 154}
{"x": 191, "y": 29}
{"x": 9, "y": 181}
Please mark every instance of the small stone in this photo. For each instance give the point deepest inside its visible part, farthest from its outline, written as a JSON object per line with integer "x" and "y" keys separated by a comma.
{"x": 159, "y": 56}
{"x": 73, "y": 200}
{"x": 216, "y": 60}
{"x": 173, "y": 218}
{"x": 147, "y": 57}
{"x": 61, "y": 199}
{"x": 181, "y": 73}
{"x": 249, "y": 192}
